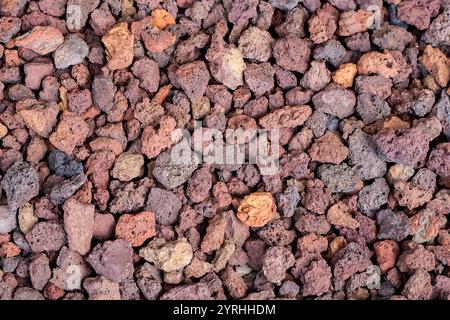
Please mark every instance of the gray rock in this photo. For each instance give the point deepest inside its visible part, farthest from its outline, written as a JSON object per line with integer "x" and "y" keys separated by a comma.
{"x": 392, "y": 225}
{"x": 64, "y": 165}
{"x": 373, "y": 196}
{"x": 439, "y": 32}
{"x": 165, "y": 204}
{"x": 441, "y": 110}
{"x": 8, "y": 219}
{"x": 285, "y": 5}
{"x": 336, "y": 101}
{"x": 21, "y": 184}
{"x": 172, "y": 174}
{"x": 364, "y": 158}
{"x": 338, "y": 178}
{"x": 71, "y": 52}
{"x": 64, "y": 190}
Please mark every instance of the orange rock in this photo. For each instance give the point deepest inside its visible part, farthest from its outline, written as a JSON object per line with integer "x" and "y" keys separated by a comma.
{"x": 329, "y": 149}
{"x": 161, "y": 19}
{"x": 40, "y": 118}
{"x": 436, "y": 63}
{"x": 41, "y": 40}
{"x": 392, "y": 122}
{"x": 215, "y": 233}
{"x": 119, "y": 44}
{"x": 156, "y": 40}
{"x": 156, "y": 141}
{"x": 345, "y": 74}
{"x": 387, "y": 252}
{"x": 383, "y": 64}
{"x": 9, "y": 250}
{"x": 12, "y": 58}
{"x": 337, "y": 244}
{"x": 136, "y": 228}
{"x": 257, "y": 209}
{"x": 351, "y": 22}
{"x": 105, "y": 143}
{"x": 339, "y": 215}
{"x": 161, "y": 95}
{"x": 71, "y": 131}
{"x": 323, "y": 25}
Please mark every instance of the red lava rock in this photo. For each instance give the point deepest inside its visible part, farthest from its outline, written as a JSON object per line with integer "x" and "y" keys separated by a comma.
{"x": 234, "y": 283}
{"x": 387, "y": 252}
{"x": 286, "y": 53}
{"x": 70, "y": 132}
{"x": 147, "y": 71}
{"x": 323, "y": 24}
{"x": 418, "y": 286}
{"x": 277, "y": 232}
{"x": 112, "y": 259}
{"x": 199, "y": 184}
{"x": 328, "y": 149}
{"x": 52, "y": 292}
{"x": 102, "y": 98}
{"x": 156, "y": 141}
{"x": 416, "y": 258}
{"x": 288, "y": 117}
{"x": 417, "y": 12}
{"x": 79, "y": 225}
{"x": 317, "y": 278}
{"x": 46, "y": 236}
{"x": 9, "y": 27}
{"x": 277, "y": 260}
{"x": 39, "y": 270}
{"x": 136, "y": 228}
{"x": 255, "y": 44}
{"x": 36, "y": 71}
{"x": 412, "y": 142}
{"x": 350, "y": 260}
{"x": 316, "y": 197}
{"x": 41, "y": 40}
{"x": 79, "y": 101}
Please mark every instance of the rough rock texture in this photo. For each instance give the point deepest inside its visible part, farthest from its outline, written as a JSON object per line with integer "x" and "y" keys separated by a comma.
{"x": 226, "y": 150}
{"x": 112, "y": 259}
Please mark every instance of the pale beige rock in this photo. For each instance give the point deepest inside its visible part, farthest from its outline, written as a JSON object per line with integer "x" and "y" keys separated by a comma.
{"x": 399, "y": 172}
{"x": 168, "y": 256}
{"x": 223, "y": 255}
{"x": 128, "y": 166}
{"x": 27, "y": 219}
{"x": 173, "y": 277}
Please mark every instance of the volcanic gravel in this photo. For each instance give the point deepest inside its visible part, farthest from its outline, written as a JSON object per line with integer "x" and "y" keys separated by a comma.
{"x": 97, "y": 96}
